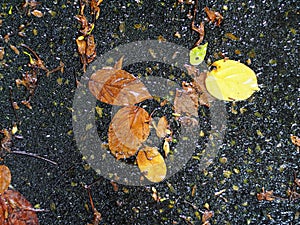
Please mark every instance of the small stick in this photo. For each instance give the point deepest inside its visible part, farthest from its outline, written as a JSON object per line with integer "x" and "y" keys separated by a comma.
{"x": 33, "y": 155}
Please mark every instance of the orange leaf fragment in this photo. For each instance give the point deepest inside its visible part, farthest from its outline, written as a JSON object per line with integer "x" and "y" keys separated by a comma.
{"x": 15, "y": 209}
{"x": 265, "y": 195}
{"x": 117, "y": 87}
{"x": 5, "y": 178}
{"x": 127, "y": 130}
{"x": 295, "y": 140}
{"x": 152, "y": 164}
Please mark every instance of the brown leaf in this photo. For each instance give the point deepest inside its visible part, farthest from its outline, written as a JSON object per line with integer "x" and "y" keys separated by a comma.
{"x": 186, "y": 101}
{"x": 162, "y": 127}
{"x": 37, "y": 13}
{"x": 295, "y": 140}
{"x": 213, "y": 16}
{"x": 16, "y": 210}
{"x": 5, "y": 178}
{"x": 152, "y": 164}
{"x": 207, "y": 215}
{"x": 91, "y": 48}
{"x": 117, "y": 87}
{"x": 265, "y": 195}
{"x": 127, "y": 130}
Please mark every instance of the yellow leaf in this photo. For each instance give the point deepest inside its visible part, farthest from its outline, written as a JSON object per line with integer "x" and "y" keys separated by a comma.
{"x": 231, "y": 81}
{"x": 152, "y": 164}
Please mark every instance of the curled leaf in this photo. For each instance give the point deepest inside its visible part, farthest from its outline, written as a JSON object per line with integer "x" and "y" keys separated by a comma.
{"x": 5, "y": 178}
{"x": 152, "y": 164}
{"x": 117, "y": 87}
{"x": 15, "y": 209}
{"x": 127, "y": 130}
{"x": 231, "y": 81}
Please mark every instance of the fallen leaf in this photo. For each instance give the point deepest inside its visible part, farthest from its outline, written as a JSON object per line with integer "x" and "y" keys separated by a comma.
{"x": 15, "y": 209}
{"x": 265, "y": 195}
{"x": 117, "y": 87}
{"x": 152, "y": 164}
{"x": 186, "y": 101}
{"x": 5, "y": 178}
{"x": 162, "y": 127}
{"x": 197, "y": 54}
{"x": 295, "y": 140}
{"x": 213, "y": 16}
{"x": 231, "y": 80}
{"x": 207, "y": 215}
{"x": 127, "y": 130}
{"x": 37, "y": 13}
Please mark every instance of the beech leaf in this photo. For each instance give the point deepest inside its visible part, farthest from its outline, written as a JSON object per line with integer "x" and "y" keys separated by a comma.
{"x": 127, "y": 130}
{"x": 117, "y": 87}
{"x": 231, "y": 80}
{"x": 152, "y": 164}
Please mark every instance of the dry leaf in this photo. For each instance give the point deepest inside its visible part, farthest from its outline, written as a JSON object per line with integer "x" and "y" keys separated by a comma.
{"x": 295, "y": 140}
{"x": 152, "y": 164}
{"x": 265, "y": 195}
{"x": 117, "y": 87}
{"x": 15, "y": 209}
{"x": 37, "y": 13}
{"x": 207, "y": 215}
{"x": 127, "y": 130}
{"x": 213, "y": 16}
{"x": 162, "y": 127}
{"x": 5, "y": 178}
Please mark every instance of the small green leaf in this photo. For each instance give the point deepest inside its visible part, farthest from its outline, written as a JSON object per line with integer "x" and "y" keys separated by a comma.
{"x": 197, "y": 54}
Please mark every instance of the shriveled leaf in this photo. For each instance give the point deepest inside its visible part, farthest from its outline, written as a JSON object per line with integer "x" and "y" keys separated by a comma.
{"x": 198, "y": 83}
{"x": 231, "y": 80}
{"x": 186, "y": 101}
{"x": 127, "y": 130}
{"x": 162, "y": 127}
{"x": 16, "y": 210}
{"x": 295, "y": 140}
{"x": 152, "y": 164}
{"x": 5, "y": 178}
{"x": 117, "y": 87}
{"x": 207, "y": 215}
{"x": 213, "y": 16}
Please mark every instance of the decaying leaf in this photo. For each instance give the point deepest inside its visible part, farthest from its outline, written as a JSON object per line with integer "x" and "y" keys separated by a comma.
{"x": 265, "y": 195}
{"x": 15, "y": 209}
{"x": 295, "y": 140}
{"x": 200, "y": 31}
{"x": 186, "y": 101}
{"x": 5, "y": 178}
{"x": 231, "y": 80}
{"x": 117, "y": 87}
{"x": 207, "y": 215}
{"x": 37, "y": 13}
{"x": 152, "y": 164}
{"x": 213, "y": 16}
{"x": 127, "y": 130}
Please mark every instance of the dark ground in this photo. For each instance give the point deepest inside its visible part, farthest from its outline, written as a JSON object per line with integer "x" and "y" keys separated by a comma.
{"x": 257, "y": 144}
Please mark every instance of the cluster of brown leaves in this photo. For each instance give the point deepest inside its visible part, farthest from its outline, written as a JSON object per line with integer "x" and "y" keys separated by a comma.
{"x": 14, "y": 207}
{"x": 130, "y": 126}
{"x": 85, "y": 41}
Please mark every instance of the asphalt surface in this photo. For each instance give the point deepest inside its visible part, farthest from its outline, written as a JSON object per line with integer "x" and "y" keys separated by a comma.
{"x": 256, "y": 152}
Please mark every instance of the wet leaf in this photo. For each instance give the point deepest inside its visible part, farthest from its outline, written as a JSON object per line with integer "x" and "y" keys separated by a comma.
{"x": 117, "y": 87}
{"x": 186, "y": 101}
{"x": 213, "y": 16}
{"x": 162, "y": 127}
{"x": 197, "y": 54}
{"x": 231, "y": 81}
{"x": 127, "y": 130}
{"x": 152, "y": 164}
{"x": 5, "y": 178}
{"x": 15, "y": 209}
